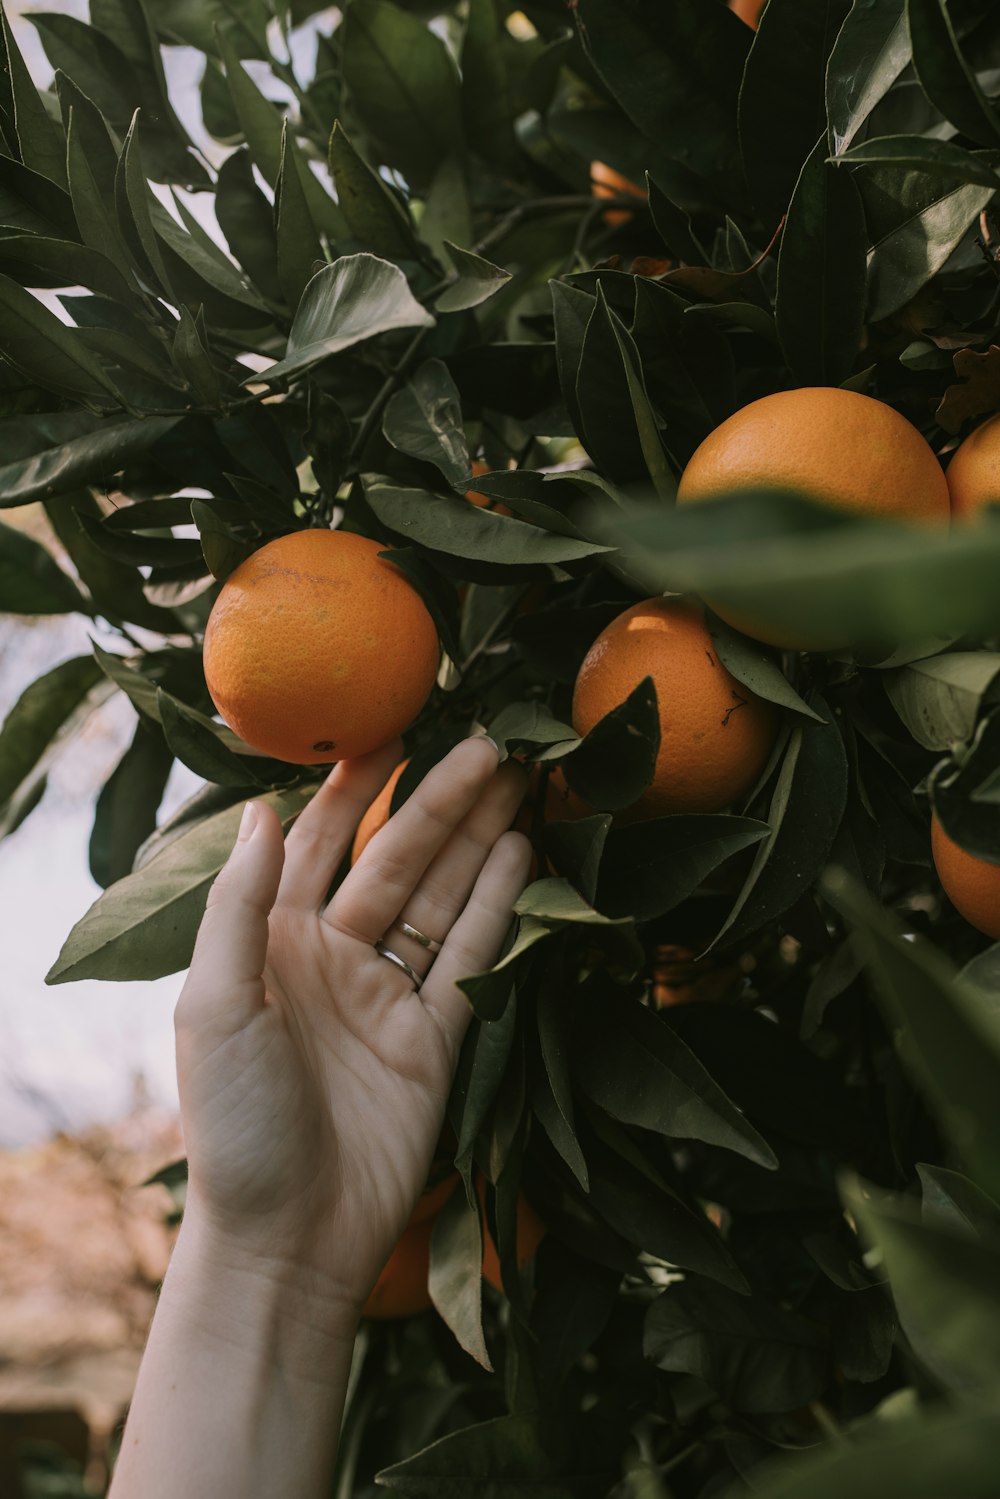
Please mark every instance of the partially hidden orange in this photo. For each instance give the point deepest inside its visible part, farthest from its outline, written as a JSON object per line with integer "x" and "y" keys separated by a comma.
{"x": 682, "y": 978}
{"x": 715, "y": 734}
{"x": 973, "y": 475}
{"x": 402, "y": 1288}
{"x": 971, "y": 884}
{"x": 530, "y": 1233}
{"x": 605, "y": 182}
{"x": 317, "y": 649}
{"x": 478, "y": 498}
{"x": 837, "y": 447}
{"x": 377, "y": 814}
{"x": 747, "y": 10}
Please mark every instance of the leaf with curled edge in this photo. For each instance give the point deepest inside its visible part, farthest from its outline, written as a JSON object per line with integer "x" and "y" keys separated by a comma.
{"x": 979, "y": 391}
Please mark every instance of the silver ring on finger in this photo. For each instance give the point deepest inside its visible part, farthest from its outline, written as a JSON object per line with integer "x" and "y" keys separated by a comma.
{"x": 393, "y": 957}
{"x": 418, "y": 936}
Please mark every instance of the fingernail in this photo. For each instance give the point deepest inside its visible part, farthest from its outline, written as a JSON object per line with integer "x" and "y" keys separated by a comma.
{"x": 251, "y": 813}
{"x": 492, "y": 741}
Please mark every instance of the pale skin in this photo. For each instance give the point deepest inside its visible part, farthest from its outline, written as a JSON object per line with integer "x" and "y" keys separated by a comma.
{"x": 313, "y": 1081}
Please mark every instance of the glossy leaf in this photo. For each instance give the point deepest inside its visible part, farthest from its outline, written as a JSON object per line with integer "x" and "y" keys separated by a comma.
{"x": 649, "y": 868}
{"x": 939, "y": 698}
{"x": 424, "y": 419}
{"x": 373, "y": 213}
{"x": 478, "y": 280}
{"x": 925, "y": 154}
{"x": 58, "y": 467}
{"x": 144, "y": 926}
{"x": 614, "y": 764}
{"x": 38, "y": 136}
{"x": 125, "y": 813}
{"x": 819, "y": 311}
{"x": 944, "y": 74}
{"x": 356, "y": 298}
{"x": 871, "y": 51}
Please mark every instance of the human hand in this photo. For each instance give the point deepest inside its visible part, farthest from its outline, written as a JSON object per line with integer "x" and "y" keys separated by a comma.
{"x": 313, "y": 1077}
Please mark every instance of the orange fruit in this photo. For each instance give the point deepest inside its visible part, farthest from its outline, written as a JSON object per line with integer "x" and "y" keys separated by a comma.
{"x": 680, "y": 978}
{"x": 715, "y": 734}
{"x": 530, "y": 1233}
{"x": 484, "y": 501}
{"x": 835, "y": 446}
{"x": 605, "y": 182}
{"x": 973, "y": 475}
{"x": 401, "y": 1289}
{"x": 747, "y": 10}
{"x": 317, "y": 649}
{"x": 377, "y": 815}
{"x": 971, "y": 884}
{"x": 433, "y": 1198}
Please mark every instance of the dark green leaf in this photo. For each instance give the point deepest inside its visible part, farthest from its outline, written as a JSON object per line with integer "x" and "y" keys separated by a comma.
{"x": 33, "y": 203}
{"x": 615, "y": 761}
{"x": 576, "y": 847}
{"x": 45, "y": 717}
{"x": 925, "y": 154}
{"x": 755, "y": 666}
{"x": 63, "y": 464}
{"x": 758, "y": 1357}
{"x": 530, "y": 726}
{"x": 921, "y": 238}
{"x": 868, "y": 56}
{"x": 782, "y": 106}
{"x": 31, "y": 581}
{"x": 489, "y": 992}
{"x": 487, "y": 101}
{"x": 947, "y": 1036}
{"x": 819, "y": 311}
{"x": 404, "y": 87}
{"x": 355, "y": 298}
{"x": 374, "y": 213}
{"x": 447, "y": 524}
{"x": 501, "y": 1458}
{"x": 246, "y": 220}
{"x": 456, "y": 1274}
{"x": 650, "y": 867}
{"x": 144, "y": 926}
{"x": 299, "y": 247}
{"x": 951, "y": 1202}
{"x": 94, "y": 212}
{"x": 39, "y": 138}
{"x": 939, "y": 699}
{"x": 945, "y": 76}
{"x": 478, "y": 279}
{"x": 115, "y": 588}
{"x": 572, "y": 310}
{"x": 125, "y": 813}
{"x": 424, "y": 419}
{"x": 44, "y": 348}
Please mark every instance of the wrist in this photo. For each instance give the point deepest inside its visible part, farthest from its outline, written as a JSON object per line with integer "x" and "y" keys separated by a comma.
{"x": 270, "y": 1299}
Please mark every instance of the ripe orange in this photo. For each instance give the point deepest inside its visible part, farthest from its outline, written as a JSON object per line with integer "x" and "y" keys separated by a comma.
{"x": 401, "y": 1289}
{"x": 317, "y": 649}
{"x": 971, "y": 884}
{"x": 747, "y": 10}
{"x": 605, "y": 182}
{"x": 530, "y": 1233}
{"x": 973, "y": 475}
{"x": 715, "y": 734}
{"x": 835, "y": 446}
{"x": 377, "y": 815}
{"x": 484, "y": 501}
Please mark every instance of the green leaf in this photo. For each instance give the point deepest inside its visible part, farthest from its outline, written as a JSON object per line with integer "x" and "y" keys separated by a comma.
{"x": 489, "y": 992}
{"x": 447, "y": 212}
{"x": 804, "y": 815}
{"x": 782, "y": 105}
{"x": 487, "y": 99}
{"x": 627, "y": 1060}
{"x": 374, "y": 213}
{"x": 51, "y": 354}
{"x": 93, "y": 211}
{"x": 555, "y": 902}
{"x": 424, "y": 419}
{"x": 572, "y": 310}
{"x": 37, "y": 261}
{"x": 39, "y": 138}
{"x": 951, "y": 1202}
{"x": 615, "y": 761}
{"x": 145, "y": 925}
{"x": 299, "y": 246}
{"x": 31, "y": 581}
{"x": 755, "y": 666}
{"x": 356, "y": 298}
{"x": 576, "y": 847}
{"x": 660, "y": 465}
{"x": 222, "y": 549}
{"x": 501, "y": 1458}
{"x": 447, "y": 524}
{"x": 950, "y": 1451}
{"x": 604, "y": 400}
{"x": 404, "y": 87}
{"x": 45, "y": 718}
{"x": 650, "y": 867}
{"x": 91, "y": 456}
{"x": 125, "y": 813}
{"x": 947, "y": 1036}
{"x": 553, "y": 1015}
{"x": 675, "y": 70}
{"x": 478, "y": 280}
{"x": 925, "y": 154}
{"x": 115, "y": 588}
{"x": 868, "y": 56}
{"x": 819, "y": 310}
{"x": 530, "y": 726}
{"x": 921, "y": 238}
{"x": 945, "y": 76}
{"x": 247, "y": 222}
{"x": 456, "y": 1274}
{"x": 946, "y": 1286}
{"x": 756, "y": 1356}
{"x": 940, "y": 698}
{"x": 201, "y": 750}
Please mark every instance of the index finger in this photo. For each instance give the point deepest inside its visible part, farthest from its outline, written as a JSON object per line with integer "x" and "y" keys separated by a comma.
{"x": 384, "y": 878}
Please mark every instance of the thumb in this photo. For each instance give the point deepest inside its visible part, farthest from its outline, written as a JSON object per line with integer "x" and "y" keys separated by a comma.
{"x": 228, "y": 961}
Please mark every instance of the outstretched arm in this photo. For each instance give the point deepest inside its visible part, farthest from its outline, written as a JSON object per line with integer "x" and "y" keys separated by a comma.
{"x": 313, "y": 1079}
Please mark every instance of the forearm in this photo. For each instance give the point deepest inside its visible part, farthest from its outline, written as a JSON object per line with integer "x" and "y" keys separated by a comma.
{"x": 242, "y": 1384}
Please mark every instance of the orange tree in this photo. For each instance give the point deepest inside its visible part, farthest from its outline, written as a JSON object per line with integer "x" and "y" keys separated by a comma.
{"x": 741, "y": 1212}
